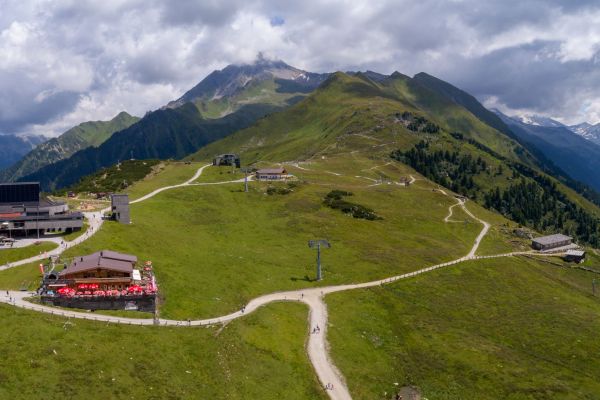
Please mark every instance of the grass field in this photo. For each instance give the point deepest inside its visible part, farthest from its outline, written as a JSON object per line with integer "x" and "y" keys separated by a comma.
{"x": 167, "y": 173}
{"x": 220, "y": 174}
{"x": 508, "y": 328}
{"x": 215, "y": 247}
{"x": 27, "y": 276}
{"x": 258, "y": 357}
{"x": 8, "y": 255}
{"x": 470, "y": 331}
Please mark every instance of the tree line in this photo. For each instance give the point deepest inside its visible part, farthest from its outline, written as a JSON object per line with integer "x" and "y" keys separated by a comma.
{"x": 532, "y": 199}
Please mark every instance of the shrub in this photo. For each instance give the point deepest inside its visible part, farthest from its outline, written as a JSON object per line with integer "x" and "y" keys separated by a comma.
{"x": 335, "y": 200}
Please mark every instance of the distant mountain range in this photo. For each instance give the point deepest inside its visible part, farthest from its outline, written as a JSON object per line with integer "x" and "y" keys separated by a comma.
{"x": 13, "y": 148}
{"x": 78, "y": 138}
{"x": 572, "y": 153}
{"x": 587, "y": 131}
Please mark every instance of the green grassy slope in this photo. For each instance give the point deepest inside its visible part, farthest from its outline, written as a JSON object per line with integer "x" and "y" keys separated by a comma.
{"x": 346, "y": 109}
{"x": 504, "y": 328}
{"x": 87, "y": 134}
{"x": 239, "y": 245}
{"x": 258, "y": 357}
{"x": 349, "y": 114}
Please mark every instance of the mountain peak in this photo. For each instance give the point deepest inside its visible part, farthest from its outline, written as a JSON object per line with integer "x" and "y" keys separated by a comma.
{"x": 587, "y": 131}
{"x": 262, "y": 81}
{"x": 537, "y": 120}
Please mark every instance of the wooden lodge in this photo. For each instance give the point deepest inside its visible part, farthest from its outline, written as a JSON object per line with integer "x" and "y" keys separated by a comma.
{"x": 105, "y": 280}
{"x": 108, "y": 269}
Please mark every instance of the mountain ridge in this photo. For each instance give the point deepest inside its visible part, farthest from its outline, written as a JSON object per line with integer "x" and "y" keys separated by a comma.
{"x": 86, "y": 134}
{"x": 13, "y": 147}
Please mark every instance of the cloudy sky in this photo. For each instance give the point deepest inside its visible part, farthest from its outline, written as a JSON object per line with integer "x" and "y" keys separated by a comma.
{"x": 65, "y": 62}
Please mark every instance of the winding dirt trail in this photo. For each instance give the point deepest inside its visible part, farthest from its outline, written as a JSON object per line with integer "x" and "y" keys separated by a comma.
{"x": 317, "y": 346}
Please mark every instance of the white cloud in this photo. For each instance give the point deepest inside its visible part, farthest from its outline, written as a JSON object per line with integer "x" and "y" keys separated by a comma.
{"x": 64, "y": 62}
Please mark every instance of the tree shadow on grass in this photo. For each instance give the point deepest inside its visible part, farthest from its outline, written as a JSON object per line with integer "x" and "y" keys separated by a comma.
{"x": 305, "y": 278}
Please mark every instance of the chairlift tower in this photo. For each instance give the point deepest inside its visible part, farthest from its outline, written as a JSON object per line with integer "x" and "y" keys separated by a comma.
{"x": 246, "y": 171}
{"x": 317, "y": 244}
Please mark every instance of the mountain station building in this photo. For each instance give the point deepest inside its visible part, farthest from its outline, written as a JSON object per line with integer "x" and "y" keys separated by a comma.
{"x": 23, "y": 212}
{"x": 551, "y": 242}
{"x": 227, "y": 159}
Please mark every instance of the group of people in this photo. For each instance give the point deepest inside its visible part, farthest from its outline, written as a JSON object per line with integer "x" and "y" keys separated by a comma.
{"x": 316, "y": 329}
{"x": 329, "y": 386}
{"x": 10, "y": 299}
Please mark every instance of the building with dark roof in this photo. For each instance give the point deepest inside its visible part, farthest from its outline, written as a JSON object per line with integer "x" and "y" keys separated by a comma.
{"x": 24, "y": 212}
{"x": 105, "y": 267}
{"x": 551, "y": 241}
{"x": 105, "y": 280}
{"x": 573, "y": 255}
{"x": 227, "y": 159}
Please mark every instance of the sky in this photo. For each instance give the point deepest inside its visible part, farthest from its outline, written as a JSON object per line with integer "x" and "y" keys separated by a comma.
{"x": 64, "y": 62}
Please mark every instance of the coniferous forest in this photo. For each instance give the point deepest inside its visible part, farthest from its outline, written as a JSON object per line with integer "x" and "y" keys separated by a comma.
{"x": 531, "y": 199}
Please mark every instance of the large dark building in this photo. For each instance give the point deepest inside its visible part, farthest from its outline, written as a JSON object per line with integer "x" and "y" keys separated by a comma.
{"x": 120, "y": 208}
{"x": 227, "y": 159}
{"x": 551, "y": 242}
{"x": 23, "y": 212}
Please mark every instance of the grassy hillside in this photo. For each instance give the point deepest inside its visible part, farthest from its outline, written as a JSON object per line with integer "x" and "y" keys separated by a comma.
{"x": 87, "y": 134}
{"x": 238, "y": 245}
{"x": 356, "y": 114}
{"x": 258, "y": 357}
{"x": 214, "y": 247}
{"x": 346, "y": 112}
{"x": 505, "y": 328}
